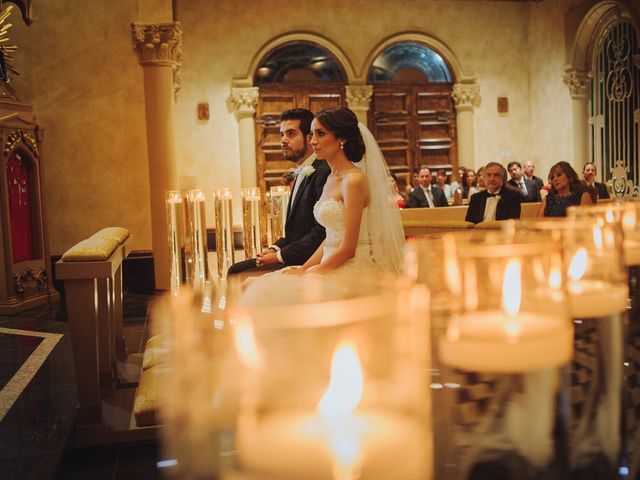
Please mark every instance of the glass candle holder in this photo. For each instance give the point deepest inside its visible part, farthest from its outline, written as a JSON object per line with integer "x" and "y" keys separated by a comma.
{"x": 331, "y": 389}
{"x": 279, "y": 202}
{"x": 511, "y": 313}
{"x": 597, "y": 282}
{"x": 251, "y": 221}
{"x": 224, "y": 231}
{"x": 196, "y": 262}
{"x": 175, "y": 230}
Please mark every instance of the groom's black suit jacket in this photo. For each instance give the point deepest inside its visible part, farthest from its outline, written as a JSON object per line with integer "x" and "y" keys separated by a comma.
{"x": 508, "y": 205}
{"x": 302, "y": 233}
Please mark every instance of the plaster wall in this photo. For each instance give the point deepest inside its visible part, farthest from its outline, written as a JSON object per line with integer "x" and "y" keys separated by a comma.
{"x": 79, "y": 71}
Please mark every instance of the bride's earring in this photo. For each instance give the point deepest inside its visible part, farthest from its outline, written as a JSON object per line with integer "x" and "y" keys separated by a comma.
{"x": 342, "y": 146}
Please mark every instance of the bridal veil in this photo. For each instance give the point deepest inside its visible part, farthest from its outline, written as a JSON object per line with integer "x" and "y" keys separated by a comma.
{"x": 385, "y": 224}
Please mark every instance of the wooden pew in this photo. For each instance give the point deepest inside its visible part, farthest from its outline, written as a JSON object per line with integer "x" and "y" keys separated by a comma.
{"x": 92, "y": 274}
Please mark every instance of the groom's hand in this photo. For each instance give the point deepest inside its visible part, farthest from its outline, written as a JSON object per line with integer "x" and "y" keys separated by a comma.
{"x": 268, "y": 258}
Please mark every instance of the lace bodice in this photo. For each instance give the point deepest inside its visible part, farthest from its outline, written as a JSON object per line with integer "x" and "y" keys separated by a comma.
{"x": 330, "y": 214}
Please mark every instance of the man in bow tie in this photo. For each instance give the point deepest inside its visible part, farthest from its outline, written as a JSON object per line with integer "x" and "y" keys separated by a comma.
{"x": 303, "y": 234}
{"x": 426, "y": 195}
{"x": 498, "y": 201}
{"x": 528, "y": 188}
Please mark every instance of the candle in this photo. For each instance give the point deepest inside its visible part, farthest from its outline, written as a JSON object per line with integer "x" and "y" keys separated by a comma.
{"x": 367, "y": 443}
{"x": 593, "y": 298}
{"x": 507, "y": 340}
{"x": 493, "y": 341}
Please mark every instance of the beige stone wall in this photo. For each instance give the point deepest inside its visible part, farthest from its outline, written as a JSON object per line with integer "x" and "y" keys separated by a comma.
{"x": 551, "y": 114}
{"x": 79, "y": 71}
{"x": 82, "y": 75}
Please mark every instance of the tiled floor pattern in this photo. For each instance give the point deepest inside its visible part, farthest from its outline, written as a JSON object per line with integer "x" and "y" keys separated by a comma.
{"x": 38, "y": 400}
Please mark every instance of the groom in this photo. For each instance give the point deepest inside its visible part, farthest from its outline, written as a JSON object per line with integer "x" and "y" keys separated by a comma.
{"x": 303, "y": 234}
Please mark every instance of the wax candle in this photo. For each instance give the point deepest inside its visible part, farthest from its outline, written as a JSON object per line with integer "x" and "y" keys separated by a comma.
{"x": 494, "y": 341}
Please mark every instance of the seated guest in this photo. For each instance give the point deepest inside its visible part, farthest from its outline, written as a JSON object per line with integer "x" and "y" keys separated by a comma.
{"x": 480, "y": 180}
{"x": 469, "y": 185}
{"x": 427, "y": 196}
{"x": 442, "y": 184}
{"x": 529, "y": 189}
{"x": 566, "y": 191}
{"x": 529, "y": 168}
{"x": 589, "y": 175}
{"x": 457, "y": 184}
{"x": 398, "y": 198}
{"x": 498, "y": 201}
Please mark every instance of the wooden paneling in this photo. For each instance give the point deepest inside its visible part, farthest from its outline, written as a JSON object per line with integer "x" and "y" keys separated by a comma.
{"x": 414, "y": 125}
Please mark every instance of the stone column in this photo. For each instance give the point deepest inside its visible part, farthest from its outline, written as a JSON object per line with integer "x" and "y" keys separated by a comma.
{"x": 465, "y": 97}
{"x": 245, "y": 101}
{"x": 159, "y": 51}
{"x": 578, "y": 82}
{"x": 358, "y": 99}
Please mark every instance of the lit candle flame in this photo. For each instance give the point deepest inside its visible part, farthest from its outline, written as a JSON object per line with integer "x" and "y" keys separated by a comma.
{"x": 555, "y": 278}
{"x": 578, "y": 265}
{"x": 511, "y": 298}
{"x": 597, "y": 237}
{"x": 345, "y": 385}
{"x": 512, "y": 288}
{"x": 609, "y": 215}
{"x": 246, "y": 346}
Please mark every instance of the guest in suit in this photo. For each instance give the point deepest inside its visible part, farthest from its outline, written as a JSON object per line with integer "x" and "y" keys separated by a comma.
{"x": 529, "y": 169}
{"x": 529, "y": 189}
{"x": 498, "y": 201}
{"x": 427, "y": 196}
{"x": 589, "y": 174}
{"x": 303, "y": 234}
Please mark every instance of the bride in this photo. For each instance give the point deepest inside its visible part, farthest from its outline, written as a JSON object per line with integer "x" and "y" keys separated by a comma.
{"x": 357, "y": 209}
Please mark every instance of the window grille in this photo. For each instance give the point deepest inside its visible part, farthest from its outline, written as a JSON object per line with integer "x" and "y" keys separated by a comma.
{"x": 614, "y": 108}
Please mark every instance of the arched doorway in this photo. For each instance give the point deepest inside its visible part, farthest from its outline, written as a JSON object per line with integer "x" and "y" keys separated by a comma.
{"x": 412, "y": 113}
{"x": 300, "y": 74}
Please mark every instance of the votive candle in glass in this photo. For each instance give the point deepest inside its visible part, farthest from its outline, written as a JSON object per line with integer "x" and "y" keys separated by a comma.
{"x": 251, "y": 221}
{"x": 279, "y": 203}
{"x": 196, "y": 249}
{"x": 224, "y": 231}
{"x": 175, "y": 230}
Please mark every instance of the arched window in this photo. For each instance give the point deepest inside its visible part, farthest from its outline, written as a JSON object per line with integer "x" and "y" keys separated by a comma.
{"x": 614, "y": 108}
{"x": 409, "y": 61}
{"x": 299, "y": 62}
{"x": 412, "y": 113}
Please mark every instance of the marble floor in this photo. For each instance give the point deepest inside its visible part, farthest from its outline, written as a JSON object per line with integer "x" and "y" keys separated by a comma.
{"x": 38, "y": 400}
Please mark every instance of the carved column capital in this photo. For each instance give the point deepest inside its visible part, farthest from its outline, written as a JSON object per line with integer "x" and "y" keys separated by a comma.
{"x": 359, "y": 96}
{"x": 244, "y": 100}
{"x": 466, "y": 96}
{"x": 159, "y": 44}
{"x": 577, "y": 82}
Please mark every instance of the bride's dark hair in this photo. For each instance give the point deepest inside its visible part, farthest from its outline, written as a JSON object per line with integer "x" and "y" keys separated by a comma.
{"x": 344, "y": 124}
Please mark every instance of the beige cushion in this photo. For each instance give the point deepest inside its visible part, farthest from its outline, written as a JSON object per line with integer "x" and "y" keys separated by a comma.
{"x": 156, "y": 352}
{"x": 91, "y": 250}
{"x": 117, "y": 233}
{"x": 444, "y": 224}
{"x": 148, "y": 396}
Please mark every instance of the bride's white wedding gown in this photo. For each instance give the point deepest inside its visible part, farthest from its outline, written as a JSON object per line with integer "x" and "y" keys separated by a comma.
{"x": 278, "y": 289}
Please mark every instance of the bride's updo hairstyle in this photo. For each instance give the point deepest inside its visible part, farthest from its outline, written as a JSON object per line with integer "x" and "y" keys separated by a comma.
{"x": 344, "y": 124}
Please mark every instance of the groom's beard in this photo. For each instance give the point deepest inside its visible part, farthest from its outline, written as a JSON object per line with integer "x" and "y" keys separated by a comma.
{"x": 295, "y": 155}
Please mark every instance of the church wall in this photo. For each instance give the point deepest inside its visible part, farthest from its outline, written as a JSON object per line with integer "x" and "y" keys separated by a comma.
{"x": 550, "y": 100}
{"x": 79, "y": 71}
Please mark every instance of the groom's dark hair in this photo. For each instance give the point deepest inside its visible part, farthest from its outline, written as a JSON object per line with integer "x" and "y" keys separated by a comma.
{"x": 302, "y": 114}
{"x": 344, "y": 124}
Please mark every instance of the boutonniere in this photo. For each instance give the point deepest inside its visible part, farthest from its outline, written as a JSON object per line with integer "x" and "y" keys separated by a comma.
{"x": 307, "y": 170}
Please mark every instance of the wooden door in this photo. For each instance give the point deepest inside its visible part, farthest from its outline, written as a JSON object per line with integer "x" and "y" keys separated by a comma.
{"x": 414, "y": 125}
{"x": 273, "y": 100}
